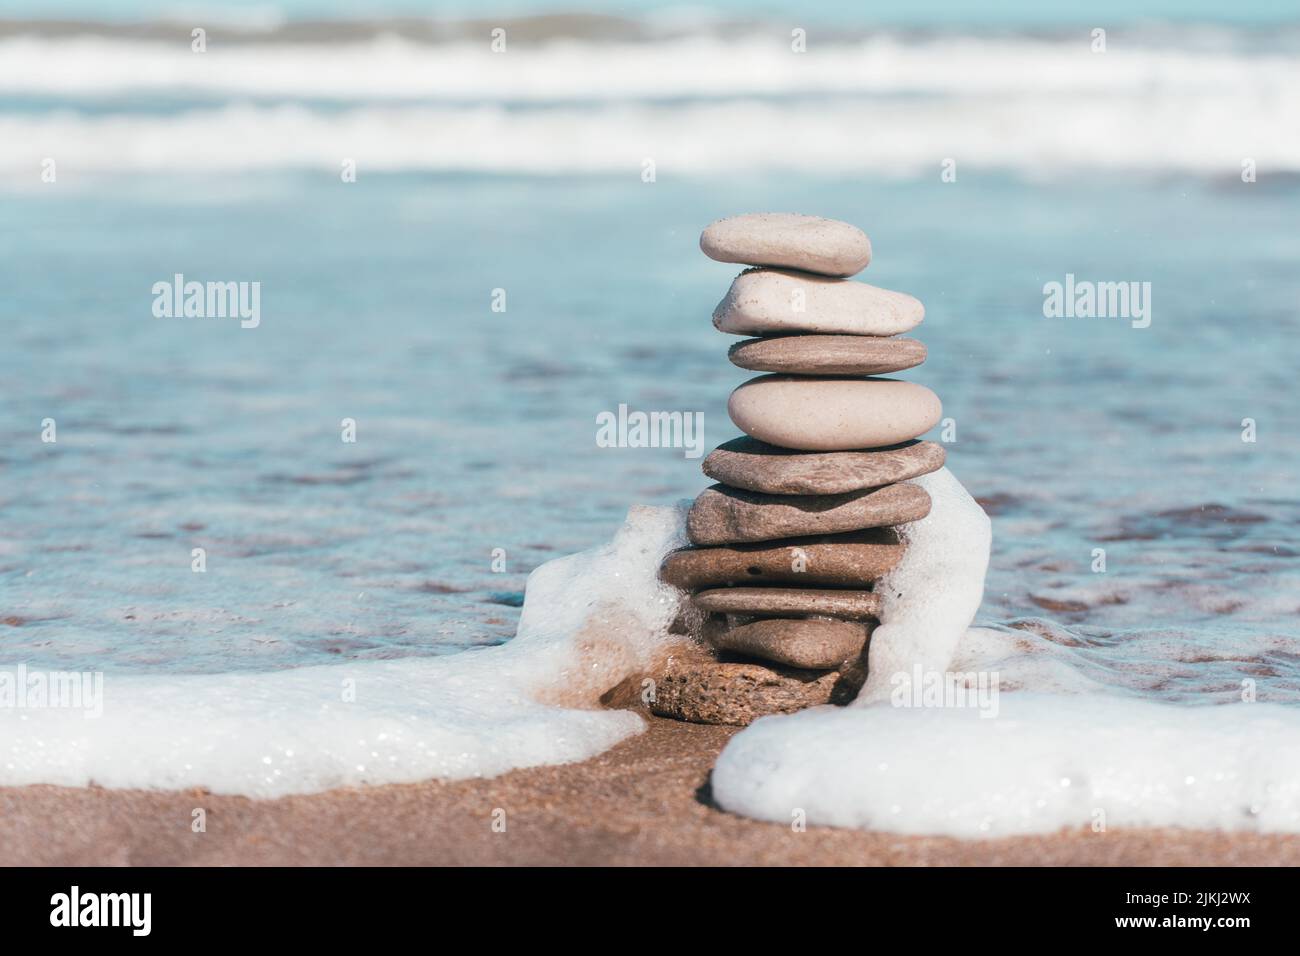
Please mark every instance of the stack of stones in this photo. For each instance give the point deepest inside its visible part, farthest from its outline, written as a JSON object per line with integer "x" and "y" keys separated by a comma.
{"x": 789, "y": 543}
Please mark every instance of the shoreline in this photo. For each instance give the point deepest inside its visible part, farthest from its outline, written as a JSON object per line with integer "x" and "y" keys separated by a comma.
{"x": 644, "y": 802}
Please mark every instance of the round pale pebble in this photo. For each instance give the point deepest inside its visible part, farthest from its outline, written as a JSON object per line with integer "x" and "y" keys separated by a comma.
{"x": 811, "y": 243}
{"x": 833, "y": 414}
{"x": 773, "y": 301}
{"x": 827, "y": 354}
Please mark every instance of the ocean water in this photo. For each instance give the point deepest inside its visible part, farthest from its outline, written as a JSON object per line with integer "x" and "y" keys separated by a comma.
{"x": 476, "y": 429}
{"x": 476, "y": 460}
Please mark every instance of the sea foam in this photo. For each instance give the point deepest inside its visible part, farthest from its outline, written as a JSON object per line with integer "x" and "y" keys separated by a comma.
{"x": 1046, "y": 762}
{"x": 930, "y": 598}
{"x": 589, "y": 621}
{"x": 1078, "y": 742}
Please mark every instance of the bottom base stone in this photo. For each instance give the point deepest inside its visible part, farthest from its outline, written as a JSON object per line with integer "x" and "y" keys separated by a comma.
{"x": 695, "y": 686}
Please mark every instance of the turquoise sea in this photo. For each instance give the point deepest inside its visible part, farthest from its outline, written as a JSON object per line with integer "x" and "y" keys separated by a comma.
{"x": 475, "y": 457}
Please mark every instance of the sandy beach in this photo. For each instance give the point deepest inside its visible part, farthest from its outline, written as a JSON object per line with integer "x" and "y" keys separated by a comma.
{"x": 646, "y": 802}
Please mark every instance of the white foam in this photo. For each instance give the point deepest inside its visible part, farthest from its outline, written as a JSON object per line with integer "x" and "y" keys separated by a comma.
{"x": 1083, "y": 738}
{"x": 691, "y": 139}
{"x": 701, "y": 105}
{"x": 703, "y": 65}
{"x": 589, "y": 621}
{"x": 1047, "y": 761}
{"x": 930, "y": 598}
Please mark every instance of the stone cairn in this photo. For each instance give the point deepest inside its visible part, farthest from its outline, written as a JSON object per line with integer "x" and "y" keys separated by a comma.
{"x": 788, "y": 544}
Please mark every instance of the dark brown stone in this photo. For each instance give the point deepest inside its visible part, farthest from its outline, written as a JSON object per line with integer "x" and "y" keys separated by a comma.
{"x": 695, "y": 685}
{"x": 812, "y": 643}
{"x": 828, "y": 354}
{"x": 844, "y": 560}
{"x": 818, "y": 602}
{"x": 724, "y": 515}
{"x": 757, "y": 466}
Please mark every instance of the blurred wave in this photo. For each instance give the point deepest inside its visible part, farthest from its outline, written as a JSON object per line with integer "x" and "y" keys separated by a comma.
{"x": 601, "y": 94}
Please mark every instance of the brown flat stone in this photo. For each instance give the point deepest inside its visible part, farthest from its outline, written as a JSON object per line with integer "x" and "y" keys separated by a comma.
{"x": 821, "y": 602}
{"x": 694, "y": 685}
{"x": 828, "y": 354}
{"x": 757, "y": 466}
{"x": 845, "y": 560}
{"x": 815, "y": 644}
{"x": 724, "y": 515}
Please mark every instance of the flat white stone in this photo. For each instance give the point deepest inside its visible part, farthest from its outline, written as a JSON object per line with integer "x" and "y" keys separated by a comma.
{"x": 811, "y": 243}
{"x": 833, "y": 414}
{"x": 769, "y": 301}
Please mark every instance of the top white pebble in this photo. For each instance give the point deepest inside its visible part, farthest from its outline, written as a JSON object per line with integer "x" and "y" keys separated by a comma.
{"x": 824, "y": 246}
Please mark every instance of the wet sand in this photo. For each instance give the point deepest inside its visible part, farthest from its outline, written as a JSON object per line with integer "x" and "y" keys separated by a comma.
{"x": 646, "y": 802}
